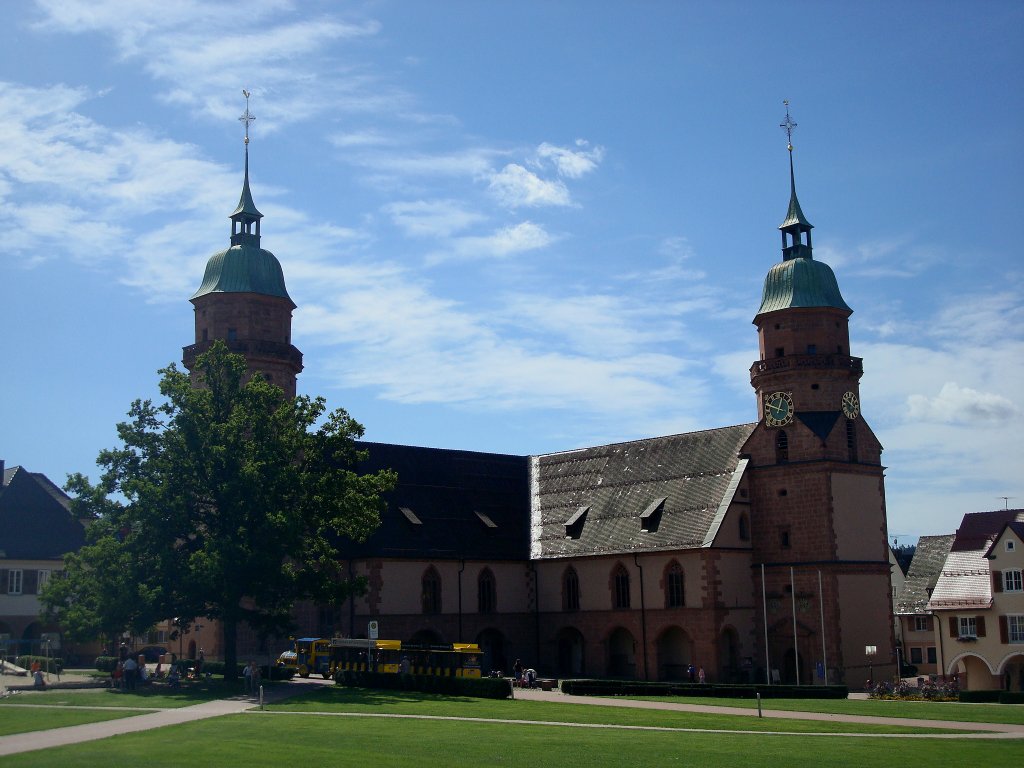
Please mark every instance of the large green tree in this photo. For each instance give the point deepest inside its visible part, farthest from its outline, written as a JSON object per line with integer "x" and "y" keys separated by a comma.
{"x": 227, "y": 500}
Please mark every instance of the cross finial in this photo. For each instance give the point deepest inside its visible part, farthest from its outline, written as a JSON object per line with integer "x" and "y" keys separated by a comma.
{"x": 247, "y": 116}
{"x": 788, "y": 125}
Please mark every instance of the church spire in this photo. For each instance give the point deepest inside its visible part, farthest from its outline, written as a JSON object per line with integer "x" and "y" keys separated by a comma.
{"x": 796, "y": 224}
{"x": 245, "y": 221}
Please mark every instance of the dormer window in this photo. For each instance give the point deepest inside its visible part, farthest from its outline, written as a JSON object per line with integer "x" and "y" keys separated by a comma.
{"x": 574, "y": 525}
{"x": 1010, "y": 545}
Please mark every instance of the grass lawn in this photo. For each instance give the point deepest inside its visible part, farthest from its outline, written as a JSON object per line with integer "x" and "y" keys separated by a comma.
{"x": 251, "y": 740}
{"x": 158, "y": 697}
{"x": 337, "y": 699}
{"x": 1012, "y": 714}
{"x": 22, "y": 720}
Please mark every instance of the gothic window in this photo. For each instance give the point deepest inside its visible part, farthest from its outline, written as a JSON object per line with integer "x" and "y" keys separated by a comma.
{"x": 571, "y": 590}
{"x": 620, "y": 587}
{"x": 784, "y": 541}
{"x": 744, "y": 524}
{"x": 851, "y": 439}
{"x": 675, "y": 593}
{"x": 431, "y": 595}
{"x": 232, "y": 334}
{"x": 781, "y": 447}
{"x": 485, "y": 592}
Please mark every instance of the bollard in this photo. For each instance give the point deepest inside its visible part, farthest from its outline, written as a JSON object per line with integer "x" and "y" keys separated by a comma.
{"x": 261, "y": 696}
{"x": 759, "y": 704}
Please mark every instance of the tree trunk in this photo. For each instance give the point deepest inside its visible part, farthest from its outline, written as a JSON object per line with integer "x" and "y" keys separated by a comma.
{"x": 230, "y": 624}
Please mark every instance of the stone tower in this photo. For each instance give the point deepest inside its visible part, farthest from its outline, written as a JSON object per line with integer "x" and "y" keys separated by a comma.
{"x": 818, "y": 497}
{"x": 243, "y": 300}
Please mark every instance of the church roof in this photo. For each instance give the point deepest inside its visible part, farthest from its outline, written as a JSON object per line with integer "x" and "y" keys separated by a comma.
{"x": 657, "y": 494}
{"x": 801, "y": 282}
{"x": 450, "y": 504}
{"x": 929, "y": 557}
{"x": 243, "y": 269}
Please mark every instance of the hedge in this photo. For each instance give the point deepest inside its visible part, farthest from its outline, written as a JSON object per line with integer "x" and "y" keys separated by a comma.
{"x": 640, "y": 688}
{"x": 52, "y": 664}
{"x": 980, "y": 697}
{"x": 477, "y": 687}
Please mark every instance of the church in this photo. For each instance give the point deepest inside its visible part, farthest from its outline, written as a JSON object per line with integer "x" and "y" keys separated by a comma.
{"x": 754, "y": 552}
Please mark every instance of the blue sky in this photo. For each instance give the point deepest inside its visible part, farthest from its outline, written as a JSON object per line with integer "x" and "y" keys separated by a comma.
{"x": 523, "y": 227}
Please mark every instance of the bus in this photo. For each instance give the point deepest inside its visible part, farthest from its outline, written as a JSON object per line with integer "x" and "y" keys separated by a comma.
{"x": 386, "y": 656}
{"x": 313, "y": 656}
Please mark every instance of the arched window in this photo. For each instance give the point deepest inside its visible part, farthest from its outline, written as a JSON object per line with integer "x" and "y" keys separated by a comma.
{"x": 431, "y": 595}
{"x": 570, "y": 590}
{"x": 851, "y": 439}
{"x": 486, "y": 598}
{"x": 620, "y": 587}
{"x": 675, "y": 592}
{"x": 744, "y": 525}
{"x": 781, "y": 447}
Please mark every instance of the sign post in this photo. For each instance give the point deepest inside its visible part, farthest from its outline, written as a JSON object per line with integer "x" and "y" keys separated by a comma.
{"x": 372, "y": 633}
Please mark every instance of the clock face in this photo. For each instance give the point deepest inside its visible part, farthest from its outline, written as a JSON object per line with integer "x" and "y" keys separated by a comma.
{"x": 778, "y": 409}
{"x": 851, "y": 405}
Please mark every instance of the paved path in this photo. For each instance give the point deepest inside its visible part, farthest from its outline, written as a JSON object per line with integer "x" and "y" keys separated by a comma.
{"x": 1003, "y": 730}
{"x": 76, "y": 734}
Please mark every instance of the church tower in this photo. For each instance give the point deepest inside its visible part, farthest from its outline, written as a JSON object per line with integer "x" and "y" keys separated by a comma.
{"x": 243, "y": 300}
{"x": 818, "y": 497}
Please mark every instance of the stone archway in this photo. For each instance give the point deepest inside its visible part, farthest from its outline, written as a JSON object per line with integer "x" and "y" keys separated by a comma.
{"x": 492, "y": 644}
{"x": 621, "y": 653}
{"x": 570, "y": 652}
{"x": 972, "y": 673}
{"x": 1011, "y": 672}
{"x": 675, "y": 654}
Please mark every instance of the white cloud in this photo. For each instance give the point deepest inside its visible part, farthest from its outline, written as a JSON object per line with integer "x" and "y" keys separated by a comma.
{"x": 569, "y": 163}
{"x": 514, "y": 187}
{"x": 960, "y": 405}
{"x": 431, "y": 218}
{"x": 515, "y": 238}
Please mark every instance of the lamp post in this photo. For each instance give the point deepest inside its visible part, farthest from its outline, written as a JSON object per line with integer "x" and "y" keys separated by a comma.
{"x": 870, "y": 651}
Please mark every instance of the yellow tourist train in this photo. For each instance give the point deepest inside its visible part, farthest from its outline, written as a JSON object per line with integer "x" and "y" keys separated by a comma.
{"x": 394, "y": 657}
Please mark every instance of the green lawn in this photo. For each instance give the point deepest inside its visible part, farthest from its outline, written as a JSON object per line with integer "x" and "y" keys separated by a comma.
{"x": 159, "y": 697}
{"x": 251, "y": 740}
{"x": 1012, "y": 714}
{"x": 336, "y": 699}
{"x": 25, "y": 719}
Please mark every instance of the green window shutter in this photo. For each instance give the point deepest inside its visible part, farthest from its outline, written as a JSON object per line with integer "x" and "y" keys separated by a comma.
{"x": 3, "y": 581}
{"x": 997, "y": 581}
{"x": 979, "y": 622}
{"x": 954, "y": 627}
{"x": 30, "y": 580}
{"x": 1004, "y": 631}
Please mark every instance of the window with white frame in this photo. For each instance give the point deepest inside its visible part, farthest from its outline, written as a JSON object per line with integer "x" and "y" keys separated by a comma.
{"x": 1012, "y": 581}
{"x": 15, "y": 578}
{"x": 968, "y": 626}
{"x": 43, "y": 577}
{"x": 1010, "y": 543}
{"x": 1015, "y": 629}
{"x": 920, "y": 624}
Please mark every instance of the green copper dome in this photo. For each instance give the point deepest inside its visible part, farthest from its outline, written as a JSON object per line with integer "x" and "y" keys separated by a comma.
{"x": 801, "y": 282}
{"x": 243, "y": 269}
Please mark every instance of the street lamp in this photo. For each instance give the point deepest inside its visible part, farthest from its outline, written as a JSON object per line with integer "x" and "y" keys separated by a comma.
{"x": 870, "y": 651}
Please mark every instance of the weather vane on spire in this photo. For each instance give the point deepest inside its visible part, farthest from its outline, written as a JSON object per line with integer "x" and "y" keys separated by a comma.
{"x": 787, "y": 125}
{"x": 247, "y": 116}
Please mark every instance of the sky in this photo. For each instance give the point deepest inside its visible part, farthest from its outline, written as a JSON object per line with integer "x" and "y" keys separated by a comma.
{"x": 523, "y": 227}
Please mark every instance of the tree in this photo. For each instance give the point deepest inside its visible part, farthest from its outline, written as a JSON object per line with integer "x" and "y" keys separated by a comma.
{"x": 227, "y": 501}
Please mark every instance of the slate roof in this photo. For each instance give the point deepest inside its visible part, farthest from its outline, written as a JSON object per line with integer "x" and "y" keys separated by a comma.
{"x": 35, "y": 518}
{"x": 923, "y": 573}
{"x": 965, "y": 580}
{"x": 463, "y": 504}
{"x": 609, "y": 487}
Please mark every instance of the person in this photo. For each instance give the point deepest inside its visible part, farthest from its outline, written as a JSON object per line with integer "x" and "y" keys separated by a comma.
{"x": 117, "y": 675}
{"x": 254, "y": 678}
{"x": 517, "y": 672}
{"x": 131, "y": 668}
{"x": 700, "y": 675}
{"x": 174, "y": 676}
{"x": 404, "y": 666}
{"x": 144, "y": 676}
{"x": 691, "y": 672}
{"x": 530, "y": 678}
{"x": 37, "y": 678}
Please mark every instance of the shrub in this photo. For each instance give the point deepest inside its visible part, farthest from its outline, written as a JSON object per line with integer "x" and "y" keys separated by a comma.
{"x": 1011, "y": 697}
{"x": 51, "y": 664}
{"x": 978, "y": 697}
{"x": 106, "y": 663}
